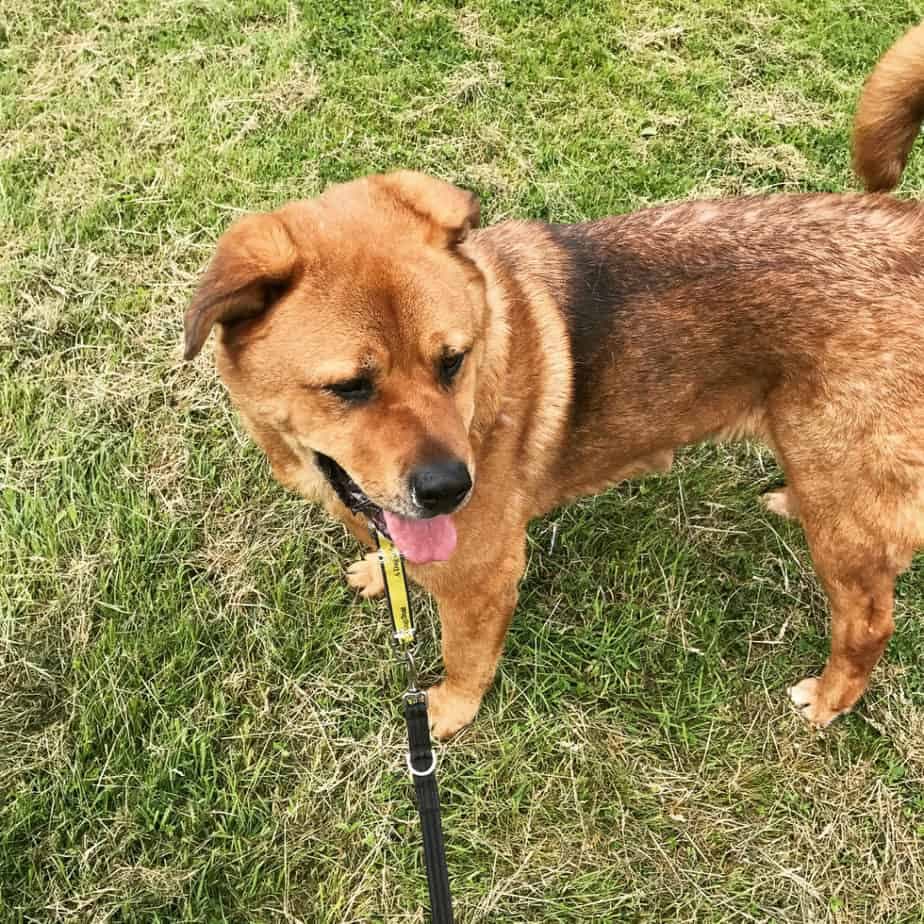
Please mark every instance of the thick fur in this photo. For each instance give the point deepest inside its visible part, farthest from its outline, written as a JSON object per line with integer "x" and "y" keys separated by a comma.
{"x": 594, "y": 350}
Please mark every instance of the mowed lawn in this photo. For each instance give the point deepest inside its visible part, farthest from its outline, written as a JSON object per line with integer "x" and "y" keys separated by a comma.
{"x": 198, "y": 720}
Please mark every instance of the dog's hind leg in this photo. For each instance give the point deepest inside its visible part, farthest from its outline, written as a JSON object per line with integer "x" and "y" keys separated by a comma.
{"x": 859, "y": 580}
{"x": 782, "y": 502}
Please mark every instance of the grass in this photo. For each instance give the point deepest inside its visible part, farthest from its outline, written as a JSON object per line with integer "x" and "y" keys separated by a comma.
{"x": 198, "y": 721}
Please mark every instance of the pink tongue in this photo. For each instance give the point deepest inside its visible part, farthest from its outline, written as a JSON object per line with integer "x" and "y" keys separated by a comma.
{"x": 422, "y": 541}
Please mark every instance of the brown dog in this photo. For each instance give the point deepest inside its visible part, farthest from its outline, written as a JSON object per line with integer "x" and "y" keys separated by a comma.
{"x": 453, "y": 384}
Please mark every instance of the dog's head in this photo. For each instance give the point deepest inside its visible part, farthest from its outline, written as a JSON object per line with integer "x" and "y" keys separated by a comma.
{"x": 351, "y": 327}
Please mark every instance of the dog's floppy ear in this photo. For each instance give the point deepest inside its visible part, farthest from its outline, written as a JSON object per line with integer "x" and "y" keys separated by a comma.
{"x": 452, "y": 211}
{"x": 254, "y": 262}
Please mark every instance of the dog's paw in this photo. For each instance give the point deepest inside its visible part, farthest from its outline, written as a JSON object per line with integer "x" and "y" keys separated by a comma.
{"x": 366, "y": 576}
{"x": 450, "y": 711}
{"x": 808, "y": 698}
{"x": 782, "y": 503}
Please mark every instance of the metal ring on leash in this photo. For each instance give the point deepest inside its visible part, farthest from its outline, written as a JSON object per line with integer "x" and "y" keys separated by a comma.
{"x": 426, "y": 772}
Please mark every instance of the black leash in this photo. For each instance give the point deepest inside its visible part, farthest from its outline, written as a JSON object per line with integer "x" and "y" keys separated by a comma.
{"x": 421, "y": 762}
{"x": 421, "y": 759}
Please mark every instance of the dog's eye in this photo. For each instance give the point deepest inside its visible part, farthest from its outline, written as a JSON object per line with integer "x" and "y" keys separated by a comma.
{"x": 355, "y": 390}
{"x": 450, "y": 366}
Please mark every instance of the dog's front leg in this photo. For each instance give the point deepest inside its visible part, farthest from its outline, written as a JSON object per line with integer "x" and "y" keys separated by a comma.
{"x": 364, "y": 575}
{"x": 476, "y": 606}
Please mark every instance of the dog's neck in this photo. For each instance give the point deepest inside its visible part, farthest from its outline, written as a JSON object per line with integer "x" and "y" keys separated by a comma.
{"x": 525, "y": 369}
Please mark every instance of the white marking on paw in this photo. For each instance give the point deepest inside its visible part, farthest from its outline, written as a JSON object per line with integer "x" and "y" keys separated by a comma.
{"x": 780, "y": 503}
{"x": 806, "y": 697}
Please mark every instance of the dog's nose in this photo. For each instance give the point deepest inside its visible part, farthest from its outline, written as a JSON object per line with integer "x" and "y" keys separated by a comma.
{"x": 439, "y": 487}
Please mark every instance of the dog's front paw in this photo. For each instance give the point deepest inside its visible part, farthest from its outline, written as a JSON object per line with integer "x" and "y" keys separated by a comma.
{"x": 450, "y": 710}
{"x": 366, "y": 576}
{"x": 808, "y": 697}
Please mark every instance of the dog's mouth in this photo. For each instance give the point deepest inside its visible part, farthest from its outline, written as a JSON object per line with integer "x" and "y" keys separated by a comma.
{"x": 350, "y": 493}
{"x": 419, "y": 540}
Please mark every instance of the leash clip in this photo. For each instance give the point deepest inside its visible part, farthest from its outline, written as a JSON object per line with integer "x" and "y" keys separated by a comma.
{"x": 410, "y": 668}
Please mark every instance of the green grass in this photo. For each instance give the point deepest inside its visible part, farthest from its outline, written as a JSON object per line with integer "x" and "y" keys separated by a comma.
{"x": 198, "y": 721}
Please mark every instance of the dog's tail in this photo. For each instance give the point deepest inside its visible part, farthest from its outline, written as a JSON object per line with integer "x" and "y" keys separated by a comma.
{"x": 889, "y": 113}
